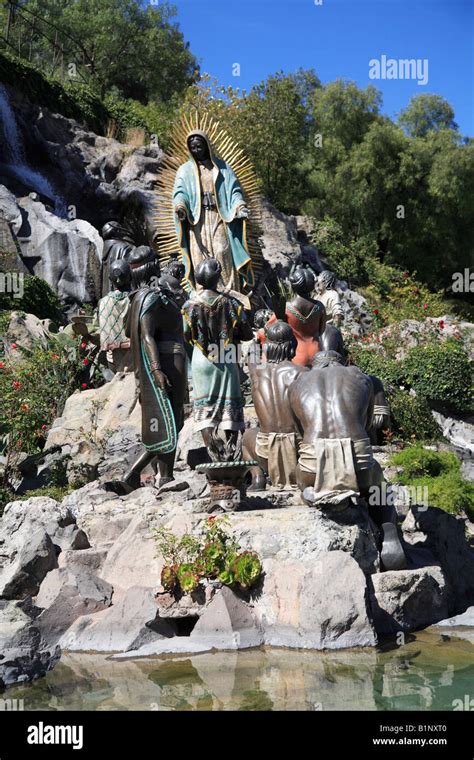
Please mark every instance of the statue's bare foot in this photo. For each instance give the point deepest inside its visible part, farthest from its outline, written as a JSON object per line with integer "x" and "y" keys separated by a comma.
{"x": 392, "y": 554}
{"x": 310, "y": 498}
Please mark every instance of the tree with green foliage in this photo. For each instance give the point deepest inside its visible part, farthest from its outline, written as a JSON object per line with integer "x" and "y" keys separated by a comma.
{"x": 406, "y": 197}
{"x": 427, "y": 113}
{"x": 122, "y": 46}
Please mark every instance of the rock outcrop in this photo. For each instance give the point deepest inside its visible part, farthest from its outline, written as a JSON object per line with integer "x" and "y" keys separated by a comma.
{"x": 66, "y": 253}
{"x": 22, "y": 654}
{"x": 322, "y": 586}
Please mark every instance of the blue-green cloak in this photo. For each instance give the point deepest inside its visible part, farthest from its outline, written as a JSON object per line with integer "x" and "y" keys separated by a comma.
{"x": 229, "y": 196}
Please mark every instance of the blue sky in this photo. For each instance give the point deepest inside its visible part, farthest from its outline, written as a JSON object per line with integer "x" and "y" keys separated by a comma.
{"x": 337, "y": 39}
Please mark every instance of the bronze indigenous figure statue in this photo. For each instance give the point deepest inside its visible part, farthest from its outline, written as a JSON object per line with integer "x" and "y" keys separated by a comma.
{"x": 118, "y": 245}
{"x": 215, "y": 323}
{"x": 305, "y": 315}
{"x": 155, "y": 329}
{"x": 331, "y": 299}
{"x": 107, "y": 328}
{"x": 112, "y": 313}
{"x": 275, "y": 444}
{"x": 334, "y": 405}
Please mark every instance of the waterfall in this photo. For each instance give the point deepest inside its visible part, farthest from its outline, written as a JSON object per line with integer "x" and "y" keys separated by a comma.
{"x": 15, "y": 156}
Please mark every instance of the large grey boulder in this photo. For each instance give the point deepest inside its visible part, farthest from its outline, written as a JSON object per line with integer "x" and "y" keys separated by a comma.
{"x": 407, "y": 600}
{"x": 66, "y": 253}
{"x": 32, "y": 533}
{"x": 26, "y": 330}
{"x": 280, "y": 242}
{"x": 318, "y": 604}
{"x": 227, "y": 623}
{"x": 22, "y": 656}
{"x": 132, "y": 621}
{"x": 24, "y": 575}
{"x": 21, "y": 518}
{"x": 116, "y": 442}
{"x": 459, "y": 432}
{"x": 65, "y": 594}
{"x": 444, "y": 536}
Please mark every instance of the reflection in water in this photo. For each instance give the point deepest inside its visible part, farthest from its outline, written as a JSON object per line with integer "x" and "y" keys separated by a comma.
{"x": 427, "y": 673}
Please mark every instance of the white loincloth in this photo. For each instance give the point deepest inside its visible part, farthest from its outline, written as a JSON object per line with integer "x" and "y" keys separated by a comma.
{"x": 281, "y": 452}
{"x": 335, "y": 462}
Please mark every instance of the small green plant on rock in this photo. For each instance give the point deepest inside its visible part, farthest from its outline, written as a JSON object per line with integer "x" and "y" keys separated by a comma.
{"x": 217, "y": 556}
{"x": 246, "y": 569}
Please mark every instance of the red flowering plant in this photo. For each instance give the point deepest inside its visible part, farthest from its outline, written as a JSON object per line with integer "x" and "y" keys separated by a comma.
{"x": 216, "y": 556}
{"x": 34, "y": 385}
{"x": 394, "y": 295}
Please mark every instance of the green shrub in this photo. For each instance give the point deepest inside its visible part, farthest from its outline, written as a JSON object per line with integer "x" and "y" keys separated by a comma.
{"x": 442, "y": 374}
{"x": 6, "y": 495}
{"x": 349, "y": 259}
{"x": 395, "y": 295}
{"x": 5, "y": 319}
{"x": 412, "y": 418}
{"x": 38, "y": 298}
{"x": 440, "y": 473}
{"x": 418, "y": 462}
{"x": 34, "y": 387}
{"x": 449, "y": 492}
{"x": 374, "y": 362}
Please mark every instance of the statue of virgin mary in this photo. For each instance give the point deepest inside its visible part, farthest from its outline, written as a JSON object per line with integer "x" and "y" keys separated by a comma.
{"x": 210, "y": 215}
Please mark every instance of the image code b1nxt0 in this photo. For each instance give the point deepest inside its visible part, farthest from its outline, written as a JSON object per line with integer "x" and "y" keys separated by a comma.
{"x": 236, "y": 373}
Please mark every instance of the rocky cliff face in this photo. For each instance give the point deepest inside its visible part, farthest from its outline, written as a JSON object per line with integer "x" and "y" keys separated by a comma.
{"x": 88, "y": 180}
{"x": 94, "y": 175}
{"x": 65, "y": 253}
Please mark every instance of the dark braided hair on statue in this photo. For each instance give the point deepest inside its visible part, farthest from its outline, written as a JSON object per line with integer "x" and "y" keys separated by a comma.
{"x": 280, "y": 345}
{"x": 207, "y": 273}
{"x": 120, "y": 274}
{"x": 176, "y": 269}
{"x": 328, "y": 279}
{"x": 261, "y": 318}
{"x": 325, "y": 358}
{"x": 302, "y": 281}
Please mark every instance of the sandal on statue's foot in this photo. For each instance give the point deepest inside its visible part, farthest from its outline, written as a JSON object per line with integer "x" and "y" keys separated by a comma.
{"x": 120, "y": 487}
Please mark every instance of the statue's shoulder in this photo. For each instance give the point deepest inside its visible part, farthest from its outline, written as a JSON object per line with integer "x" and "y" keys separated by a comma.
{"x": 184, "y": 168}
{"x": 223, "y": 166}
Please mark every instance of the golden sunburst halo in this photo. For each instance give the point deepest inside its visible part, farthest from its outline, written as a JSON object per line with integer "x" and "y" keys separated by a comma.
{"x": 225, "y": 147}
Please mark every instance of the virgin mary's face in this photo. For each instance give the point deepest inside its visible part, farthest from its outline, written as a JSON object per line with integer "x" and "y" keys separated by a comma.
{"x": 198, "y": 148}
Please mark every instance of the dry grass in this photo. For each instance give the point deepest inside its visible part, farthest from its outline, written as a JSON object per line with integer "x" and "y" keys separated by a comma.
{"x": 135, "y": 136}
{"x": 112, "y": 129}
